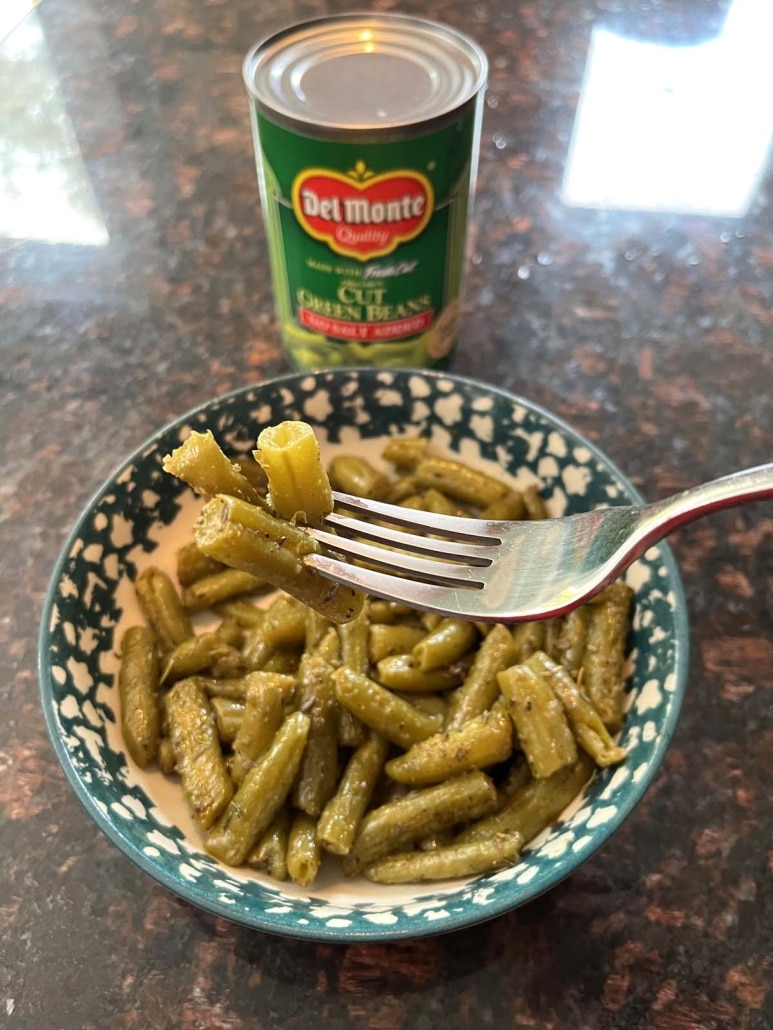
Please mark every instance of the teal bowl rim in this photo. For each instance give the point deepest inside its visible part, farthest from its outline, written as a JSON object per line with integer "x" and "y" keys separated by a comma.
{"x": 190, "y": 891}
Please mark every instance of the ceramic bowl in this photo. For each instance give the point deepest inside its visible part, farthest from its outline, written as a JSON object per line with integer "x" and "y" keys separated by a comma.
{"x": 141, "y": 515}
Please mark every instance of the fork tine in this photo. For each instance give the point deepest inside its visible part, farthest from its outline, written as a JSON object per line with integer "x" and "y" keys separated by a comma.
{"x": 430, "y": 597}
{"x": 462, "y": 550}
{"x": 453, "y": 527}
{"x": 427, "y": 570}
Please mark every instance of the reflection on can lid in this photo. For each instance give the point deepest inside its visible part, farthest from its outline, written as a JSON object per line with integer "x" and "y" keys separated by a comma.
{"x": 362, "y": 72}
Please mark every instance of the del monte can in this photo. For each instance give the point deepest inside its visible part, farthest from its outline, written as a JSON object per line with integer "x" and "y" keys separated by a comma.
{"x": 366, "y": 134}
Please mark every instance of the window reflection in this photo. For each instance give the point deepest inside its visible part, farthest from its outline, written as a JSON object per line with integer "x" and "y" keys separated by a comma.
{"x": 675, "y": 128}
{"x": 45, "y": 192}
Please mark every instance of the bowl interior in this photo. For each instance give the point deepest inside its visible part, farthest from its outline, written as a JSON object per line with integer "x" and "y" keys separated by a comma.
{"x": 141, "y": 516}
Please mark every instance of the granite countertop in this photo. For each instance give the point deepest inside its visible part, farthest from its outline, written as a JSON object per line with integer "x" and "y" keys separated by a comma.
{"x": 624, "y": 281}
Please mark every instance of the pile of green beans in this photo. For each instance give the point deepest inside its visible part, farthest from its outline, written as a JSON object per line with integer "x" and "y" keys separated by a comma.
{"x": 413, "y": 747}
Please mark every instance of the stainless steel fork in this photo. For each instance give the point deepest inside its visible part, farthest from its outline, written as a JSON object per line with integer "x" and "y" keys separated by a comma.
{"x": 506, "y": 571}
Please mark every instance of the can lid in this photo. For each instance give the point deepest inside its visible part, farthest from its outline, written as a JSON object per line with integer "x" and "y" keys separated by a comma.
{"x": 364, "y": 72}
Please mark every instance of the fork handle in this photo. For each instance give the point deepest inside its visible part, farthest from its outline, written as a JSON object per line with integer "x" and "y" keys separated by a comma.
{"x": 754, "y": 484}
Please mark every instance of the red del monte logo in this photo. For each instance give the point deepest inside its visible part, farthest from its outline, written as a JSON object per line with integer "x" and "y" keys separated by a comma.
{"x": 362, "y": 215}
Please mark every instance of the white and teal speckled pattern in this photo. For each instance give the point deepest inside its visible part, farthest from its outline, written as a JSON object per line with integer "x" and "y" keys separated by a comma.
{"x": 142, "y": 514}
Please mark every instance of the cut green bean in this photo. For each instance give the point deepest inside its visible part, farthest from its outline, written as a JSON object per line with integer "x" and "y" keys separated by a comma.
{"x": 341, "y": 816}
{"x": 261, "y": 794}
{"x": 406, "y": 452}
{"x": 198, "y": 757}
{"x": 263, "y": 712}
{"x": 445, "y": 644}
{"x": 220, "y": 586}
{"x": 401, "y": 672}
{"x": 285, "y": 623}
{"x": 398, "y": 720}
{"x": 543, "y": 731}
{"x": 298, "y": 486}
{"x": 460, "y": 481}
{"x": 479, "y": 743}
{"x": 431, "y": 620}
{"x": 243, "y": 536}
{"x": 138, "y": 683}
{"x": 385, "y": 639}
{"x": 570, "y": 644}
{"x": 200, "y": 653}
{"x": 481, "y": 689}
{"x": 609, "y": 620}
{"x": 535, "y": 805}
{"x": 354, "y": 642}
{"x": 318, "y": 771}
{"x": 588, "y": 726}
{"x": 355, "y": 475}
{"x": 446, "y": 863}
{"x": 201, "y": 464}
{"x": 421, "y": 813}
{"x": 303, "y": 851}
{"x": 162, "y": 608}
{"x": 353, "y": 652}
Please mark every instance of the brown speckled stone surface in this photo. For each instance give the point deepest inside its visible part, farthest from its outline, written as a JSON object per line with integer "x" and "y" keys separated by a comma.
{"x": 650, "y": 331}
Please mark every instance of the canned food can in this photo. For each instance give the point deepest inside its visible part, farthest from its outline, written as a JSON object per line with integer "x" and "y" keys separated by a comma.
{"x": 366, "y": 131}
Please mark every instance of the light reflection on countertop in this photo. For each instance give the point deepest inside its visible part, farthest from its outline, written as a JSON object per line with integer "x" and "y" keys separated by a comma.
{"x": 45, "y": 192}
{"x": 685, "y": 129}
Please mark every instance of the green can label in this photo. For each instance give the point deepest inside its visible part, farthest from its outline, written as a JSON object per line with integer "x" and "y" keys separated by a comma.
{"x": 367, "y": 243}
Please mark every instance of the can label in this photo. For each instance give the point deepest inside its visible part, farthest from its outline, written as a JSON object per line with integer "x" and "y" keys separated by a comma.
{"x": 367, "y": 242}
